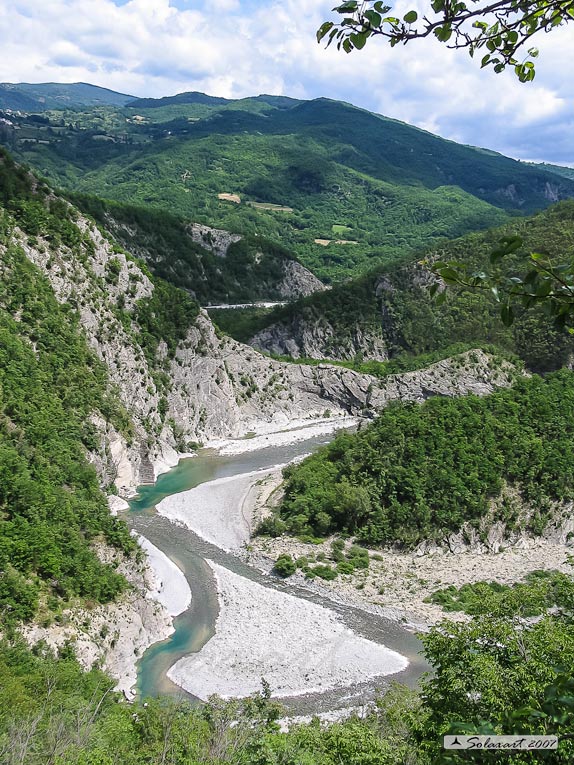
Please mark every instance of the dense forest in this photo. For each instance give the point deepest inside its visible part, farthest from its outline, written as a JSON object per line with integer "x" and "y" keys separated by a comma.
{"x": 252, "y": 269}
{"x": 422, "y": 471}
{"x": 393, "y": 302}
{"x": 52, "y": 506}
{"x": 54, "y": 511}
{"x": 341, "y": 188}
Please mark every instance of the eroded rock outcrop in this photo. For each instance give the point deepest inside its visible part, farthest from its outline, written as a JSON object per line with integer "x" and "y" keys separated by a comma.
{"x": 216, "y": 240}
{"x": 316, "y": 338}
{"x": 216, "y": 387}
{"x": 298, "y": 281}
{"x": 114, "y": 635}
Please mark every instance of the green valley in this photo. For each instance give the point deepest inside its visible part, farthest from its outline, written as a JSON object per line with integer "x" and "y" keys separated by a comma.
{"x": 340, "y": 187}
{"x": 390, "y": 310}
{"x": 443, "y": 505}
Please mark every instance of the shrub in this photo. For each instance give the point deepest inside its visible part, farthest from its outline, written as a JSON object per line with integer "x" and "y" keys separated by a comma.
{"x": 358, "y": 557}
{"x": 284, "y": 565}
{"x": 272, "y": 526}
{"x": 325, "y": 572}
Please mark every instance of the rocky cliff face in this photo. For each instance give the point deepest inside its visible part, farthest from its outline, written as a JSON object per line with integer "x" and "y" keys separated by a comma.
{"x": 222, "y": 388}
{"x": 298, "y": 281}
{"x": 553, "y": 191}
{"x": 216, "y": 386}
{"x": 114, "y": 635}
{"x": 317, "y": 332}
{"x": 215, "y": 240}
{"x": 317, "y": 338}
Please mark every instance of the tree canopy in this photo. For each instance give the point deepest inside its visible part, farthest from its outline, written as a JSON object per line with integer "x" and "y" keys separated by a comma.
{"x": 542, "y": 281}
{"x": 502, "y": 29}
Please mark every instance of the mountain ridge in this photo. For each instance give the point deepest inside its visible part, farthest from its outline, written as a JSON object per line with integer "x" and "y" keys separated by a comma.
{"x": 50, "y": 95}
{"x": 339, "y": 186}
{"x": 388, "y": 313}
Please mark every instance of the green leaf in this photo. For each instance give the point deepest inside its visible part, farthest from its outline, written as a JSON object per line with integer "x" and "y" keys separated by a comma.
{"x": 349, "y": 7}
{"x": 507, "y": 315}
{"x": 449, "y": 275}
{"x": 443, "y": 33}
{"x": 323, "y": 29}
{"x": 373, "y": 18}
{"x": 440, "y": 298}
{"x": 359, "y": 39}
{"x": 410, "y": 17}
{"x": 544, "y": 289}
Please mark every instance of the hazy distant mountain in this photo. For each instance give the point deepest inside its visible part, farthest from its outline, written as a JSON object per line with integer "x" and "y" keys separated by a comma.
{"x": 40, "y": 97}
{"x": 194, "y": 97}
{"x": 342, "y": 188}
{"x": 565, "y": 172}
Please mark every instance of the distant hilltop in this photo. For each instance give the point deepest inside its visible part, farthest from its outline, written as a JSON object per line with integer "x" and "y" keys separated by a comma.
{"x": 41, "y": 97}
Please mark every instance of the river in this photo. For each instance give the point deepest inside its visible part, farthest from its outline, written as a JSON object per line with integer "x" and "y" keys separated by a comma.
{"x": 196, "y": 625}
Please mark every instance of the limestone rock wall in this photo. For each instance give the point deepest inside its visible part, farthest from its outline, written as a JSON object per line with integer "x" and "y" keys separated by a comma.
{"x": 316, "y": 338}
{"x": 217, "y": 387}
{"x": 298, "y": 281}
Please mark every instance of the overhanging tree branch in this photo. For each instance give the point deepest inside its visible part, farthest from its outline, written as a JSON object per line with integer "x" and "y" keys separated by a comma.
{"x": 500, "y": 28}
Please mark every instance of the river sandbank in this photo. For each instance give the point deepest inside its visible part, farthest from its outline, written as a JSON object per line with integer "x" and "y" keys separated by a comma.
{"x": 215, "y": 510}
{"x": 167, "y": 583}
{"x": 271, "y": 434}
{"x": 299, "y": 647}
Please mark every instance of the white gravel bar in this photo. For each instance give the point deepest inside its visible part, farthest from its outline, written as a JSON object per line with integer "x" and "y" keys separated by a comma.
{"x": 169, "y": 586}
{"x": 297, "y": 646}
{"x": 299, "y": 430}
{"x": 214, "y": 510}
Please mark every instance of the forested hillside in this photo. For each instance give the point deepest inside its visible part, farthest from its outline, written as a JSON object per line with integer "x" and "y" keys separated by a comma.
{"x": 214, "y": 266}
{"x": 340, "y": 187}
{"x": 422, "y": 471}
{"x": 51, "y": 384}
{"x": 391, "y": 309}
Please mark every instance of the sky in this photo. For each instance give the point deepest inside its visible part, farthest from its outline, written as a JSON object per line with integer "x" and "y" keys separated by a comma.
{"x": 238, "y": 48}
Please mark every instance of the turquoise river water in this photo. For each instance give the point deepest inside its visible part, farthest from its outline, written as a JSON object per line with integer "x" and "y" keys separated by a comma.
{"x": 194, "y": 627}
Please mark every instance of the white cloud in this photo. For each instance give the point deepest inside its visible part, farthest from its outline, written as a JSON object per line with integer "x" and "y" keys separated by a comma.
{"x": 234, "y": 49}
